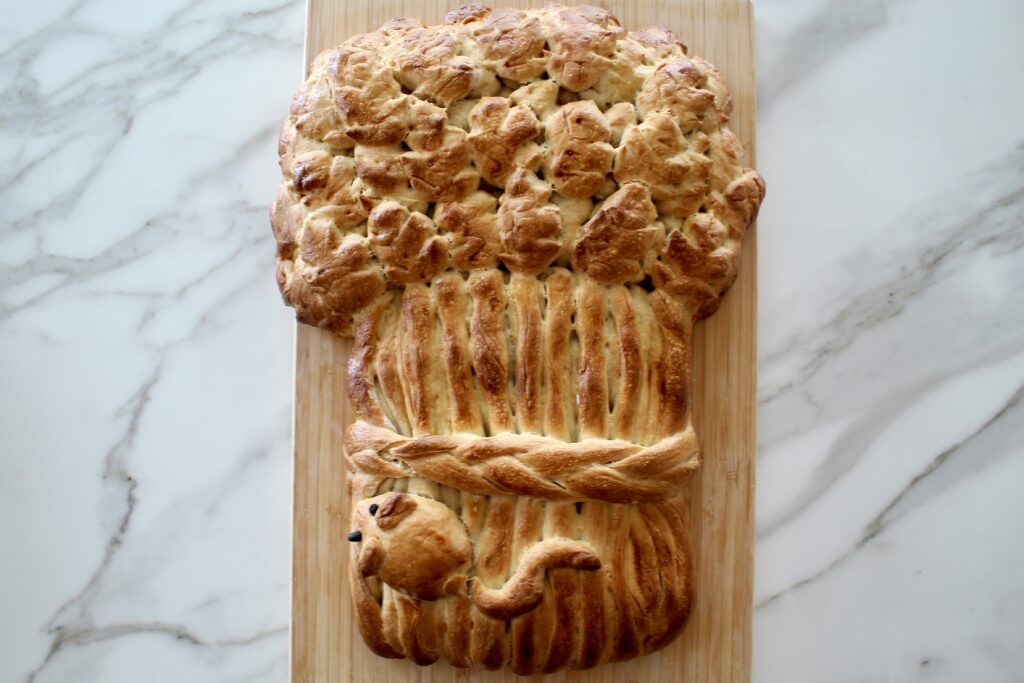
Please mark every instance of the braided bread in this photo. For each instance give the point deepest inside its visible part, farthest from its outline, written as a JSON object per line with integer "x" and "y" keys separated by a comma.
{"x": 518, "y": 215}
{"x": 613, "y": 471}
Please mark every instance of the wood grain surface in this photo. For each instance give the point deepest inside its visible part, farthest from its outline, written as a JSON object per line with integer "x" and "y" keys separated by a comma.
{"x": 715, "y": 646}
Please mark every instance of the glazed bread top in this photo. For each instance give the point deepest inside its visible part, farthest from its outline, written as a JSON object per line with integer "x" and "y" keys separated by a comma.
{"x": 527, "y": 140}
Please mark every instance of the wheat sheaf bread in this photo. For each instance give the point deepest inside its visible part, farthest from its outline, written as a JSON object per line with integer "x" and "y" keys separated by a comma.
{"x": 518, "y": 215}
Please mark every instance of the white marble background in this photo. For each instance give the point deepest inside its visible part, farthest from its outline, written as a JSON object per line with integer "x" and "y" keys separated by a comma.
{"x": 145, "y": 358}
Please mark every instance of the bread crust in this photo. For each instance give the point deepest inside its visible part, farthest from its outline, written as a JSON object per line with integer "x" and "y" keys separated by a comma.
{"x": 518, "y": 215}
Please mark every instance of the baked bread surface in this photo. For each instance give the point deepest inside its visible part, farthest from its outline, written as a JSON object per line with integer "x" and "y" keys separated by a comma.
{"x": 518, "y": 215}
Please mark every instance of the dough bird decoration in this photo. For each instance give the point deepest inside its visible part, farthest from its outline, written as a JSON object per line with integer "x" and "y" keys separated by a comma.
{"x": 518, "y": 216}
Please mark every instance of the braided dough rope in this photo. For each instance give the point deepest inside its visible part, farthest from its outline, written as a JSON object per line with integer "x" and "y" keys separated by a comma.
{"x": 518, "y": 215}
{"x": 612, "y": 471}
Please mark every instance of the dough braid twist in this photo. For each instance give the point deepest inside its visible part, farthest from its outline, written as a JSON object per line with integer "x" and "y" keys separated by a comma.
{"x": 607, "y": 470}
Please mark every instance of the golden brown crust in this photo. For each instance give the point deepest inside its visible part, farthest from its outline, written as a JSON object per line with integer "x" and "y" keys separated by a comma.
{"x": 579, "y": 157}
{"x": 513, "y": 39}
{"x": 618, "y": 582}
{"x": 529, "y": 224}
{"x": 490, "y": 349}
{"x": 527, "y": 356}
{"x": 599, "y": 469}
{"x": 519, "y": 215}
{"x": 582, "y": 41}
{"x": 406, "y": 243}
{"x": 497, "y": 133}
{"x": 382, "y": 118}
{"x": 414, "y": 544}
{"x": 527, "y": 315}
{"x": 525, "y": 589}
{"x": 617, "y": 239}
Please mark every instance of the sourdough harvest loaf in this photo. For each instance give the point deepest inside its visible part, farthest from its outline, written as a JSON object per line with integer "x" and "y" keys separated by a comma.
{"x": 518, "y": 215}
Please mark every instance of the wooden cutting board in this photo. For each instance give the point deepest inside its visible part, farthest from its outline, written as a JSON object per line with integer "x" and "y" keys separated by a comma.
{"x": 715, "y": 646}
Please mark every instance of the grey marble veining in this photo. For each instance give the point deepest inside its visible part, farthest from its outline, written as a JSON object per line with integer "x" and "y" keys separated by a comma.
{"x": 146, "y": 355}
{"x": 146, "y": 358}
{"x": 892, "y": 354}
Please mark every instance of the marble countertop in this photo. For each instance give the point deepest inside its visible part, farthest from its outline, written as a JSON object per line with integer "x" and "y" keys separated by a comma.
{"x": 146, "y": 358}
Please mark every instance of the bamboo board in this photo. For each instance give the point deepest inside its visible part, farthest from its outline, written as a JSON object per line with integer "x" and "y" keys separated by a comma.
{"x": 715, "y": 647}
